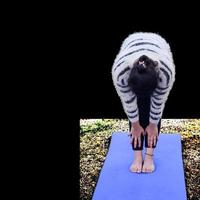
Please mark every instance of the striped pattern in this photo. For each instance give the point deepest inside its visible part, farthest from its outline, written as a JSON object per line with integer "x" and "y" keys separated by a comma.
{"x": 156, "y": 48}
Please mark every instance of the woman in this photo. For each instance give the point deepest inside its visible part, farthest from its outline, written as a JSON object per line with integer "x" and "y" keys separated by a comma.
{"x": 143, "y": 74}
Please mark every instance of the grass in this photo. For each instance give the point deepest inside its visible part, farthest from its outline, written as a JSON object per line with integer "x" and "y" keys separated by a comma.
{"x": 95, "y": 137}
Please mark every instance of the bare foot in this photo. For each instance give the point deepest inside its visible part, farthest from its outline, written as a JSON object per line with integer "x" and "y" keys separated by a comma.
{"x": 137, "y": 163}
{"x": 148, "y": 165}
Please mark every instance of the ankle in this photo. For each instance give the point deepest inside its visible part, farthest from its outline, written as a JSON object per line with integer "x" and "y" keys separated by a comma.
{"x": 138, "y": 153}
{"x": 149, "y": 151}
{"x": 138, "y": 157}
{"x": 149, "y": 154}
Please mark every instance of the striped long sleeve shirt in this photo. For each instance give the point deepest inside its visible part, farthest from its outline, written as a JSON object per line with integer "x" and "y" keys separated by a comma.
{"x": 157, "y": 49}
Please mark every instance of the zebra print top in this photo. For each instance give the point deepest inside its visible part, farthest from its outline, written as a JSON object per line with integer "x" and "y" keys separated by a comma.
{"x": 157, "y": 49}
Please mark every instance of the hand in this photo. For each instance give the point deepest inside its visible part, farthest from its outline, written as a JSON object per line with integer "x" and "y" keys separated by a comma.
{"x": 136, "y": 131}
{"x": 152, "y": 132}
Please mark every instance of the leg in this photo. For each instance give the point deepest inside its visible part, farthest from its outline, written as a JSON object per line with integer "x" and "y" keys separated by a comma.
{"x": 148, "y": 165}
{"x": 136, "y": 166}
{"x": 144, "y": 108}
{"x": 137, "y": 162}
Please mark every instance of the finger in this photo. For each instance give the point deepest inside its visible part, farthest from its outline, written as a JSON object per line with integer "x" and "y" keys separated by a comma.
{"x": 139, "y": 141}
{"x": 152, "y": 143}
{"x": 155, "y": 138}
{"x": 143, "y": 133}
{"x": 135, "y": 142}
{"x": 149, "y": 140}
{"x": 149, "y": 143}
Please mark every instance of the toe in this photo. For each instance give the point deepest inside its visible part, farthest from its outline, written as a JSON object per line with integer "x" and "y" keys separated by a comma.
{"x": 138, "y": 170}
{"x": 144, "y": 169}
{"x": 152, "y": 169}
{"x": 133, "y": 168}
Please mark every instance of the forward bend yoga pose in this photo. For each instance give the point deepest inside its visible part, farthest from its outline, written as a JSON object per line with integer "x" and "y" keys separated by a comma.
{"x": 143, "y": 75}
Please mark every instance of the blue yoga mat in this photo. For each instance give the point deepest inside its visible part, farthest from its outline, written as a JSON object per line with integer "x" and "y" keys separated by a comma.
{"x": 116, "y": 182}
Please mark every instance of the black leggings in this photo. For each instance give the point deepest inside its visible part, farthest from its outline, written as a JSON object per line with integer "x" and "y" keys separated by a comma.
{"x": 144, "y": 109}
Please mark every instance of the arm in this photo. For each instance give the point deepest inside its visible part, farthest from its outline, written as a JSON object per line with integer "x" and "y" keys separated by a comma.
{"x": 158, "y": 100}
{"x": 161, "y": 93}
{"x": 127, "y": 97}
{"x": 129, "y": 101}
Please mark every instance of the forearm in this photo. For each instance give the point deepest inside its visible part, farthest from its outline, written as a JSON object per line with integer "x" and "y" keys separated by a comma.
{"x": 161, "y": 93}
{"x": 157, "y": 106}
{"x": 128, "y": 100}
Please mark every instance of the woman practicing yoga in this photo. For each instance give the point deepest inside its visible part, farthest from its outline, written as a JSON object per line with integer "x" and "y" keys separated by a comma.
{"x": 143, "y": 74}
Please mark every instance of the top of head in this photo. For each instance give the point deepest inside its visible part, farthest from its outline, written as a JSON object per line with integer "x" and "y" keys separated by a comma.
{"x": 143, "y": 77}
{"x": 145, "y": 64}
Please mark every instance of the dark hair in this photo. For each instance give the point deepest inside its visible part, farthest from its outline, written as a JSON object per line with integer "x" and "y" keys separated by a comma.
{"x": 143, "y": 77}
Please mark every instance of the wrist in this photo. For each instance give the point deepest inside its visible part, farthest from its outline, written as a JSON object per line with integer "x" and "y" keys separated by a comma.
{"x": 152, "y": 124}
{"x": 135, "y": 124}
{"x": 154, "y": 121}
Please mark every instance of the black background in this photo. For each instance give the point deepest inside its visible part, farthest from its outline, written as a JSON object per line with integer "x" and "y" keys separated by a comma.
{"x": 99, "y": 31}
{"x": 99, "y": 37}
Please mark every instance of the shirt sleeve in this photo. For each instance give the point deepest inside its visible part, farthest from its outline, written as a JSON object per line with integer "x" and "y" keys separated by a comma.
{"x": 161, "y": 93}
{"x": 120, "y": 75}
